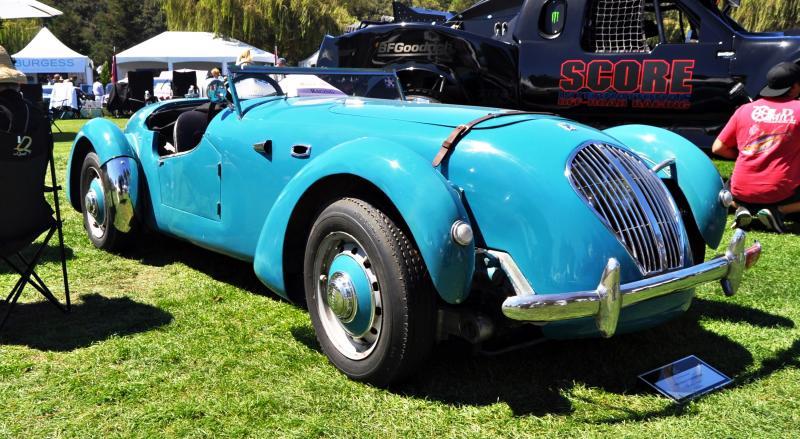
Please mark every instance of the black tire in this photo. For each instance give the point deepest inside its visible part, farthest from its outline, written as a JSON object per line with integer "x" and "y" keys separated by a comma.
{"x": 404, "y": 293}
{"x": 102, "y": 235}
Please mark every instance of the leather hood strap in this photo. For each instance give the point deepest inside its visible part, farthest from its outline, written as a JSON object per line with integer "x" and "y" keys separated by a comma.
{"x": 462, "y": 130}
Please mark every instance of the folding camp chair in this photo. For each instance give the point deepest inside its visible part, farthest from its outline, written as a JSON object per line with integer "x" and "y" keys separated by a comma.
{"x": 64, "y": 103}
{"x": 25, "y": 214}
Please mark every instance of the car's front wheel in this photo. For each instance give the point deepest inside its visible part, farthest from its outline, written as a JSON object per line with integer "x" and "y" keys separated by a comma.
{"x": 368, "y": 293}
{"x": 97, "y": 214}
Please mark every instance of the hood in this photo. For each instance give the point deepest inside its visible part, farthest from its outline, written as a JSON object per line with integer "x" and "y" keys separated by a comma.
{"x": 430, "y": 114}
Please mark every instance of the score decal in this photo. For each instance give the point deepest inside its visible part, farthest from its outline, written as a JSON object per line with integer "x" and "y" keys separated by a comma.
{"x": 627, "y": 83}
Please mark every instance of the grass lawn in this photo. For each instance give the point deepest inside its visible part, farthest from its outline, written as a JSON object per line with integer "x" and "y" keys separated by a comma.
{"x": 171, "y": 340}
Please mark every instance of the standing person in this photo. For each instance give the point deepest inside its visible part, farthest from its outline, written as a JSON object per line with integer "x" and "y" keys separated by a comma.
{"x": 244, "y": 59}
{"x": 213, "y": 75}
{"x": 281, "y": 62}
{"x": 764, "y": 138}
{"x": 97, "y": 90}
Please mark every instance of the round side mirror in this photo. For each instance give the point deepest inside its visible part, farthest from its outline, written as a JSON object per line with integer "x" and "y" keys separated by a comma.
{"x": 216, "y": 91}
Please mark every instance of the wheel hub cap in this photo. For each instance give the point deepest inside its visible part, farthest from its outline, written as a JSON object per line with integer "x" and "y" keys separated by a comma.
{"x": 95, "y": 202}
{"x": 342, "y": 297}
{"x": 348, "y": 295}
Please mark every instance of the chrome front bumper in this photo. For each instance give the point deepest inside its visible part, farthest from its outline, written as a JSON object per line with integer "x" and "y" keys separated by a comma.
{"x": 606, "y": 302}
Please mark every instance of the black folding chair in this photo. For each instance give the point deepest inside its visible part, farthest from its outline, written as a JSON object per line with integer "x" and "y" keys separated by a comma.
{"x": 25, "y": 213}
{"x": 181, "y": 82}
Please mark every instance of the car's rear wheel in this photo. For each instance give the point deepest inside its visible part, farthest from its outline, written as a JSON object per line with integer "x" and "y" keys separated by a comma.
{"x": 97, "y": 214}
{"x": 368, "y": 293}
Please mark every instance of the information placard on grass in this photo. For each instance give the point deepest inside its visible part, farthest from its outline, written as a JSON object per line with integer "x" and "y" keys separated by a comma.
{"x": 685, "y": 379}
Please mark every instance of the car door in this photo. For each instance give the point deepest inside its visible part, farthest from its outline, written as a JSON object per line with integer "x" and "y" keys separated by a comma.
{"x": 189, "y": 183}
{"x": 614, "y": 62}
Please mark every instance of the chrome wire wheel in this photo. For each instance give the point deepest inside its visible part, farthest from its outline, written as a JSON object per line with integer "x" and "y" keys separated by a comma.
{"x": 348, "y": 295}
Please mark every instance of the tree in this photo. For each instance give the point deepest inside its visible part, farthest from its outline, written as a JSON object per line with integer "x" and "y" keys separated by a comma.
{"x": 95, "y": 27}
{"x": 758, "y": 16}
{"x": 295, "y": 26}
{"x": 105, "y": 73}
{"x": 16, "y": 34}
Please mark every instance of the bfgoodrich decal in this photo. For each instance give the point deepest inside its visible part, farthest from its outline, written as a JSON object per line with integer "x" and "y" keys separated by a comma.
{"x": 627, "y": 83}
{"x": 395, "y": 49}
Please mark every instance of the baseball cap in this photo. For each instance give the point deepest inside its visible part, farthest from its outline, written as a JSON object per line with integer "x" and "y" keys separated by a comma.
{"x": 780, "y": 79}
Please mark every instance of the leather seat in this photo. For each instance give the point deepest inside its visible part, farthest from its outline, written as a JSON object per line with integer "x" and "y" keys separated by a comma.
{"x": 189, "y": 130}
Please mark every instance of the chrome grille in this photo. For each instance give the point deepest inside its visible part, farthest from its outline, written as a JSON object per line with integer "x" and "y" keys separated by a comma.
{"x": 632, "y": 202}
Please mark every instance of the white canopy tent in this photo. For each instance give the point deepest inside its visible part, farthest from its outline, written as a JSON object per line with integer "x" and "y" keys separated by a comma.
{"x": 186, "y": 50}
{"x": 46, "y": 54}
{"x": 311, "y": 61}
{"x": 12, "y": 9}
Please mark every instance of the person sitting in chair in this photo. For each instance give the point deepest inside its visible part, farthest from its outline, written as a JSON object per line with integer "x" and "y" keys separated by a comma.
{"x": 25, "y": 141}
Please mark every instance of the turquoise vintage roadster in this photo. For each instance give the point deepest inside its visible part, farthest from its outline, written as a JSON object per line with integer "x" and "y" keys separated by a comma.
{"x": 401, "y": 224}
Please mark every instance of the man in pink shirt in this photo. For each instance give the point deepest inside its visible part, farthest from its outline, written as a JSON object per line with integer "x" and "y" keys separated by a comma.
{"x": 764, "y": 138}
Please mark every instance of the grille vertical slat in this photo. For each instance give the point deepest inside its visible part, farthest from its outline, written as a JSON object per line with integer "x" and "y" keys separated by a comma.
{"x": 619, "y": 222}
{"x": 632, "y": 202}
{"x": 618, "y": 192}
{"x": 639, "y": 219}
{"x": 638, "y": 173}
{"x": 663, "y": 207}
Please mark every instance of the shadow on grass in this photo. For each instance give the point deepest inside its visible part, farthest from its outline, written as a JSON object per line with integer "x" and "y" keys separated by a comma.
{"x": 52, "y": 253}
{"x": 159, "y": 251}
{"x": 42, "y": 326}
{"x": 65, "y": 136}
{"x": 535, "y": 381}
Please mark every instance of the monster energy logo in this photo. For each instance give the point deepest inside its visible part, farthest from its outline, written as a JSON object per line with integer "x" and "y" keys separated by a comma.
{"x": 555, "y": 16}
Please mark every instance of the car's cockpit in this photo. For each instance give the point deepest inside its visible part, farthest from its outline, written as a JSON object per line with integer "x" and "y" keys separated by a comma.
{"x": 180, "y": 127}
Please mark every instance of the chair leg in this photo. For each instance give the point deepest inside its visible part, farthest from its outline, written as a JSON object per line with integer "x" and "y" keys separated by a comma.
{"x": 39, "y": 285}
{"x": 16, "y": 292}
{"x": 59, "y": 224}
{"x": 13, "y": 290}
{"x": 26, "y": 276}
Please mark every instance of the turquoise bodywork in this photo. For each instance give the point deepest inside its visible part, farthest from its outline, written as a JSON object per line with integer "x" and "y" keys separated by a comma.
{"x": 107, "y": 141}
{"x": 506, "y": 178}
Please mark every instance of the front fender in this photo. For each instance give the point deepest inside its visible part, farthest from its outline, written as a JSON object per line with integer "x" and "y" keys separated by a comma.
{"x": 697, "y": 176}
{"x": 107, "y": 141}
{"x": 423, "y": 197}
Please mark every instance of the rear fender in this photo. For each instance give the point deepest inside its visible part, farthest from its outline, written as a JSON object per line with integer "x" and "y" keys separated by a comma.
{"x": 426, "y": 201}
{"x": 696, "y": 175}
